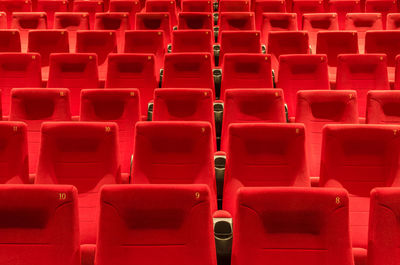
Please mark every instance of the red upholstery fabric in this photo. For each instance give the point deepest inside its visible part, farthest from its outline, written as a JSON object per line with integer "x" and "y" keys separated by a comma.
{"x": 361, "y": 22}
{"x": 320, "y": 107}
{"x": 383, "y": 107}
{"x": 195, "y": 20}
{"x": 360, "y": 158}
{"x": 174, "y": 152}
{"x": 10, "y": 41}
{"x": 362, "y": 72}
{"x": 179, "y": 104}
{"x": 50, "y": 7}
{"x": 188, "y": 70}
{"x": 333, "y": 43}
{"x": 3, "y": 20}
{"x": 74, "y": 71}
{"x": 384, "y": 227}
{"x": 39, "y": 224}
{"x": 235, "y": 21}
{"x": 342, "y": 7}
{"x": 118, "y": 21}
{"x": 13, "y": 153}
{"x": 163, "y": 6}
{"x": 264, "y": 155}
{"x": 18, "y": 70}
{"x": 381, "y": 6}
{"x": 393, "y": 21}
{"x": 128, "y": 70}
{"x": 302, "y": 7}
{"x": 147, "y": 41}
{"x": 317, "y": 22}
{"x": 291, "y": 226}
{"x": 72, "y": 22}
{"x": 301, "y": 72}
{"x": 241, "y": 41}
{"x": 250, "y": 106}
{"x": 237, "y": 6}
{"x": 196, "y": 6}
{"x": 159, "y": 21}
{"x": 193, "y": 41}
{"x": 129, "y": 6}
{"x": 267, "y": 22}
{"x": 116, "y": 105}
{"x": 245, "y": 70}
{"x": 25, "y": 21}
{"x": 269, "y": 8}
{"x": 91, "y": 7}
{"x": 286, "y": 42}
{"x": 10, "y": 6}
{"x": 83, "y": 154}
{"x": 46, "y": 42}
{"x": 156, "y": 224}
{"x": 34, "y": 106}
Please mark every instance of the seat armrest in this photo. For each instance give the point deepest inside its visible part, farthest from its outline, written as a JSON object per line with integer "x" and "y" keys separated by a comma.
{"x": 216, "y": 48}
{"x": 218, "y": 114}
{"x": 150, "y": 107}
{"x": 219, "y": 162}
{"x": 223, "y": 235}
{"x": 217, "y": 75}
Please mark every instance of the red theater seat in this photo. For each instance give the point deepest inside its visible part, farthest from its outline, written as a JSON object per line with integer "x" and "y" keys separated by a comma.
{"x": 286, "y": 42}
{"x": 155, "y": 21}
{"x": 291, "y": 226}
{"x": 381, "y": 6}
{"x": 115, "y": 105}
{"x": 74, "y": 71}
{"x": 333, "y": 43}
{"x": 117, "y": 21}
{"x": 178, "y": 104}
{"x": 174, "y": 152}
{"x": 235, "y": 21}
{"x": 301, "y": 72}
{"x": 393, "y": 21}
{"x": 302, "y": 7}
{"x": 267, "y": 22}
{"x": 156, "y": 218}
{"x": 193, "y": 41}
{"x": 362, "y": 72}
{"x": 72, "y": 22}
{"x": 34, "y": 106}
{"x": 203, "y": 6}
{"x": 13, "y": 154}
{"x": 359, "y": 158}
{"x": 83, "y": 154}
{"x": 50, "y": 7}
{"x": 195, "y": 20}
{"x": 129, "y": 6}
{"x": 133, "y": 70}
{"x": 25, "y": 21}
{"x": 237, "y": 6}
{"x": 313, "y": 23}
{"x": 10, "y": 41}
{"x": 264, "y": 155}
{"x": 268, "y": 6}
{"x": 342, "y": 7}
{"x": 10, "y": 6}
{"x": 188, "y": 70}
{"x": 383, "y": 107}
{"x": 90, "y": 7}
{"x": 251, "y": 106}
{"x": 18, "y": 70}
{"x": 384, "y": 227}
{"x": 317, "y": 108}
{"x": 163, "y": 6}
{"x": 245, "y": 70}
{"x": 39, "y": 224}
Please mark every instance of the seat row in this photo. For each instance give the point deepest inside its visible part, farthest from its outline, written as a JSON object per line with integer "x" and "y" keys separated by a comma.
{"x": 357, "y": 158}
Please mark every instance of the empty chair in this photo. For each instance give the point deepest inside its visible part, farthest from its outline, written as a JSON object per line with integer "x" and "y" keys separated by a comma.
{"x": 34, "y": 106}
{"x": 174, "y": 152}
{"x": 72, "y": 22}
{"x": 13, "y": 153}
{"x": 163, "y": 6}
{"x": 301, "y": 72}
{"x": 155, "y": 21}
{"x": 361, "y": 22}
{"x": 47, "y": 42}
{"x": 83, "y": 154}
{"x": 359, "y": 158}
{"x": 188, "y": 70}
{"x": 147, "y": 41}
{"x": 178, "y": 104}
{"x": 381, "y": 6}
{"x": 315, "y": 108}
{"x": 147, "y": 213}
{"x": 264, "y": 155}
{"x": 234, "y": 6}
{"x": 10, "y": 41}
{"x": 333, "y": 43}
{"x": 235, "y": 21}
{"x": 251, "y": 106}
{"x": 193, "y": 41}
{"x": 202, "y": 6}
{"x": 384, "y": 41}
{"x": 342, "y": 7}
{"x": 393, "y": 21}
{"x": 317, "y": 22}
{"x": 18, "y": 70}
{"x": 245, "y": 70}
{"x": 383, "y": 107}
{"x": 280, "y": 43}
{"x": 244, "y": 41}
{"x": 362, "y": 72}
{"x": 195, "y": 20}
{"x": 291, "y": 226}
{"x": 10, "y": 6}
{"x": 267, "y": 22}
{"x": 117, "y": 21}
{"x": 50, "y": 7}
{"x": 129, "y": 6}
{"x": 40, "y": 224}
{"x": 25, "y": 21}
{"x": 74, "y": 71}
{"x": 302, "y": 7}
{"x": 133, "y": 70}
{"x": 270, "y": 6}
{"x": 384, "y": 225}
{"x": 90, "y": 7}
{"x": 116, "y": 105}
